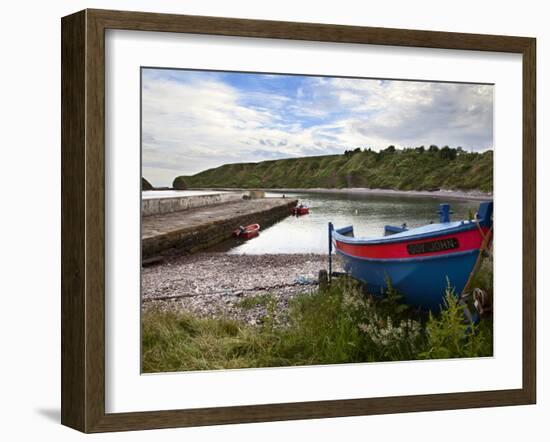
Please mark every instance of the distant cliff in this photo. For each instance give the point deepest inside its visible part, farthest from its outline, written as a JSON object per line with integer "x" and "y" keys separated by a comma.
{"x": 145, "y": 185}
{"x": 402, "y": 169}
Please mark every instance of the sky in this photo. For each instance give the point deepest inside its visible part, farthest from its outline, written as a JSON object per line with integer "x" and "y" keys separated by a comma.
{"x": 196, "y": 120}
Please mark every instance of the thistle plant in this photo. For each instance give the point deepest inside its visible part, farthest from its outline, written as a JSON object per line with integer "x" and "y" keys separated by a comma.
{"x": 450, "y": 336}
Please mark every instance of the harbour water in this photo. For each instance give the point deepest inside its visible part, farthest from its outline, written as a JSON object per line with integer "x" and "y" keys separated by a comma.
{"x": 368, "y": 213}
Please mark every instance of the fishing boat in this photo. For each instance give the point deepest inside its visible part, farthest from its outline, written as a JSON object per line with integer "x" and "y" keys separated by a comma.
{"x": 419, "y": 262}
{"x": 247, "y": 232}
{"x": 300, "y": 210}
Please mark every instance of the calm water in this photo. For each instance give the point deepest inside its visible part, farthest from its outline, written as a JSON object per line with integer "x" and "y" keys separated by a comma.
{"x": 367, "y": 213}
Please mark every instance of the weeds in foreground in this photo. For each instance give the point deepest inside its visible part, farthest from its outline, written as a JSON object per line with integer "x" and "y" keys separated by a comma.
{"x": 337, "y": 325}
{"x": 449, "y": 336}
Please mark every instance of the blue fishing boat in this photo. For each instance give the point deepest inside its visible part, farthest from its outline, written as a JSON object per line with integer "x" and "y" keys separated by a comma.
{"x": 419, "y": 262}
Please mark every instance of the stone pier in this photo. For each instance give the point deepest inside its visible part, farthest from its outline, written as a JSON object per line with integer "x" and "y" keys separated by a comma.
{"x": 189, "y": 231}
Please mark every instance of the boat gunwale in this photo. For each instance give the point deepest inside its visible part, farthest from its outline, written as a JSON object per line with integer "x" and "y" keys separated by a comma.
{"x": 392, "y": 239}
{"x": 441, "y": 255}
{"x": 256, "y": 228}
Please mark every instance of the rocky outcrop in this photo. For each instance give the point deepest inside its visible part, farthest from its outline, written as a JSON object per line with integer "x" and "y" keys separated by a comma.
{"x": 180, "y": 183}
{"x": 146, "y": 185}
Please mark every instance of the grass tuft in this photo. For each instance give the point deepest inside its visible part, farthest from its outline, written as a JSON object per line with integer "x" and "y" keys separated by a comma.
{"x": 337, "y": 325}
{"x": 255, "y": 301}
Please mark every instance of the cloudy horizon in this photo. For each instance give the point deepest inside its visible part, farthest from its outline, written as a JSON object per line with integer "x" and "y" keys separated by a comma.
{"x": 196, "y": 120}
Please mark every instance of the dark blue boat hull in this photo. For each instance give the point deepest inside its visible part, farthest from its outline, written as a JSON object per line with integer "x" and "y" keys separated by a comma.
{"x": 421, "y": 281}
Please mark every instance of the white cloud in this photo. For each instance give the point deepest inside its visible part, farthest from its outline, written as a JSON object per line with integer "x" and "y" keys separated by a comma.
{"x": 415, "y": 113}
{"x": 192, "y": 125}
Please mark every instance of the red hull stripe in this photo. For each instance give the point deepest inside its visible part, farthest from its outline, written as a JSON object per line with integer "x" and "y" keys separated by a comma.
{"x": 468, "y": 240}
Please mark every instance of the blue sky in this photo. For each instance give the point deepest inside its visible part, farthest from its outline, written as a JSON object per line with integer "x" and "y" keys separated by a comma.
{"x": 196, "y": 120}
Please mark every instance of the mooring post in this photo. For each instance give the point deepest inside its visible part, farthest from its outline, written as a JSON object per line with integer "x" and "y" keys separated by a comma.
{"x": 444, "y": 213}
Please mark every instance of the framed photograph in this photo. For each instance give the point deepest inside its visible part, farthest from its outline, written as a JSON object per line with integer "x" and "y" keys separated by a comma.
{"x": 267, "y": 220}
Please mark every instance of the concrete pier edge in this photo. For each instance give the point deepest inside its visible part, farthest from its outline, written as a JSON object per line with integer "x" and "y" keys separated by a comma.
{"x": 198, "y": 229}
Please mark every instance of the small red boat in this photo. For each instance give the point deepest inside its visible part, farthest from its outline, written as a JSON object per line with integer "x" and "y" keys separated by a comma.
{"x": 300, "y": 210}
{"x": 247, "y": 232}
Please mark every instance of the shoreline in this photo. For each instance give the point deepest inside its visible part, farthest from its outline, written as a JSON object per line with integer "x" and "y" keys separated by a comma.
{"x": 451, "y": 194}
{"x": 218, "y": 285}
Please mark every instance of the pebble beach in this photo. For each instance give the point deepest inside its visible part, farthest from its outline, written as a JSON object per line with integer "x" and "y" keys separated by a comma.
{"x": 216, "y": 285}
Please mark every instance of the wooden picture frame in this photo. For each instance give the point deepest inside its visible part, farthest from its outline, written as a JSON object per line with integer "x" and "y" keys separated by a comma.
{"x": 83, "y": 219}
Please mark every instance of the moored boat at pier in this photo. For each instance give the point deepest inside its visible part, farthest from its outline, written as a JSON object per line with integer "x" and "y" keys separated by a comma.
{"x": 300, "y": 210}
{"x": 247, "y": 232}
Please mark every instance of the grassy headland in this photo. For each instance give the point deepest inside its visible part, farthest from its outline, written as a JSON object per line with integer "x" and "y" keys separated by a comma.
{"x": 146, "y": 185}
{"x": 401, "y": 169}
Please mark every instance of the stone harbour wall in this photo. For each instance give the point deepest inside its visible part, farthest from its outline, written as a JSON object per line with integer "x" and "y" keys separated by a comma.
{"x": 159, "y": 206}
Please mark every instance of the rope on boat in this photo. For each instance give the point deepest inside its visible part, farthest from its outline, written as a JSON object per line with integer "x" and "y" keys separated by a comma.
{"x": 485, "y": 245}
{"x": 301, "y": 282}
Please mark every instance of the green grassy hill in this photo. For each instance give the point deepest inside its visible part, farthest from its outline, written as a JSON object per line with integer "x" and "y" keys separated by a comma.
{"x": 407, "y": 169}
